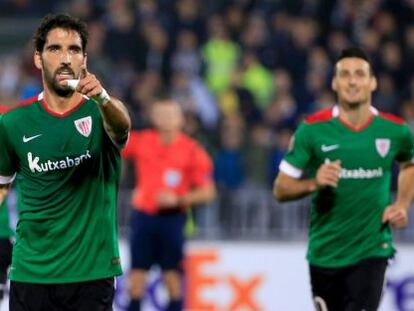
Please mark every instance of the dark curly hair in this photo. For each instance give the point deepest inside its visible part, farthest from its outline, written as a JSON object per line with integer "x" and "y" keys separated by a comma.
{"x": 65, "y": 21}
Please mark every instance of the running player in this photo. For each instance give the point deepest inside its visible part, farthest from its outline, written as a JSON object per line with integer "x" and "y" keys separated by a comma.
{"x": 64, "y": 147}
{"x": 173, "y": 172}
{"x": 348, "y": 152}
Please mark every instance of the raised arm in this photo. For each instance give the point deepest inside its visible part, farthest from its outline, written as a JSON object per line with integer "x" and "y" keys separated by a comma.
{"x": 115, "y": 115}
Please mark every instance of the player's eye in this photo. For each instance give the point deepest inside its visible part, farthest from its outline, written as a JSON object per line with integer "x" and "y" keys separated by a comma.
{"x": 53, "y": 48}
{"x": 75, "y": 49}
{"x": 344, "y": 74}
{"x": 360, "y": 73}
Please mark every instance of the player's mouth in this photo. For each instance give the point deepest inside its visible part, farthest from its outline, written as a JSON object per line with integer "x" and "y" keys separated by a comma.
{"x": 64, "y": 74}
{"x": 352, "y": 92}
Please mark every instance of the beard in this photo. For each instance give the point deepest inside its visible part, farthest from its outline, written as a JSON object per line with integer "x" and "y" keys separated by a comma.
{"x": 53, "y": 84}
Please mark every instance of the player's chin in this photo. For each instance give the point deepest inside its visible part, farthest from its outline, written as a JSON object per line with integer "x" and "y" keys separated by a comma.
{"x": 354, "y": 101}
{"x": 63, "y": 90}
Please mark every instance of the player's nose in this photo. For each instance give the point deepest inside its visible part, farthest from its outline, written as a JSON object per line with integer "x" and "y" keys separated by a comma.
{"x": 65, "y": 58}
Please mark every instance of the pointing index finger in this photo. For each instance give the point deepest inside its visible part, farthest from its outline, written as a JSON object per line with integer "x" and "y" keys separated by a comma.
{"x": 84, "y": 72}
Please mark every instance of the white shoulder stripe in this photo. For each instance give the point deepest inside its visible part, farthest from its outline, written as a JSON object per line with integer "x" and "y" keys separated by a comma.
{"x": 289, "y": 169}
{"x": 4, "y": 180}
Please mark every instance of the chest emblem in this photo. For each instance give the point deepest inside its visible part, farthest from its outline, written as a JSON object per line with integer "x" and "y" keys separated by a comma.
{"x": 383, "y": 146}
{"x": 84, "y": 126}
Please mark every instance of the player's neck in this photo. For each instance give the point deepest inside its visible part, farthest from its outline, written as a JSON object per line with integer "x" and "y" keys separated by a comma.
{"x": 167, "y": 137}
{"x": 60, "y": 105}
{"x": 355, "y": 115}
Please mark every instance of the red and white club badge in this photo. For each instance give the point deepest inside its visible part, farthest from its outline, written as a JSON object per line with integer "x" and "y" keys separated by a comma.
{"x": 383, "y": 146}
{"x": 84, "y": 125}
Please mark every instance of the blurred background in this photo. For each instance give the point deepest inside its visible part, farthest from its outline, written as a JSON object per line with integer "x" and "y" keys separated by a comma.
{"x": 245, "y": 73}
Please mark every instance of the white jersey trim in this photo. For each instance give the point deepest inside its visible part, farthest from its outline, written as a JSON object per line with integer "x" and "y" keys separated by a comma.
{"x": 4, "y": 180}
{"x": 290, "y": 170}
{"x": 335, "y": 111}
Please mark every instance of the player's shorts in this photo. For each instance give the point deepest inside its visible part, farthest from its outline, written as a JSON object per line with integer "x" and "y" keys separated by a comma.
{"x": 353, "y": 288}
{"x": 5, "y": 261}
{"x": 157, "y": 239}
{"x": 95, "y": 295}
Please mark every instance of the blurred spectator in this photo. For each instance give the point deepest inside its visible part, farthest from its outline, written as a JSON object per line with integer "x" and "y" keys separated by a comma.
{"x": 229, "y": 168}
{"x": 229, "y": 163}
{"x": 385, "y": 98}
{"x": 258, "y": 158}
{"x": 152, "y": 51}
{"x": 263, "y": 62}
{"x": 257, "y": 80}
{"x": 119, "y": 22}
{"x": 186, "y": 57}
{"x": 188, "y": 16}
{"x": 220, "y": 55}
{"x": 194, "y": 97}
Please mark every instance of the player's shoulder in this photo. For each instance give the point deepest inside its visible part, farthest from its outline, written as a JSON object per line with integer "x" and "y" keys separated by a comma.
{"x": 142, "y": 136}
{"x": 21, "y": 107}
{"x": 391, "y": 118}
{"x": 148, "y": 134}
{"x": 188, "y": 141}
{"x": 319, "y": 117}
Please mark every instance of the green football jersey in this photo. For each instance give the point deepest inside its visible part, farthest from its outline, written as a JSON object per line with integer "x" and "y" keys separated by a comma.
{"x": 67, "y": 171}
{"x": 351, "y": 229}
{"x": 5, "y": 230}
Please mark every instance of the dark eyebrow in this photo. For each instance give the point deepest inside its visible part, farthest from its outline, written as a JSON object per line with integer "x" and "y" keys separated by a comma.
{"x": 53, "y": 46}
{"x": 75, "y": 47}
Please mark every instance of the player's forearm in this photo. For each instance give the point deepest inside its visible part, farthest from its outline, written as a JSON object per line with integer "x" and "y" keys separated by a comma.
{"x": 286, "y": 188}
{"x": 199, "y": 195}
{"x": 116, "y": 119}
{"x": 405, "y": 193}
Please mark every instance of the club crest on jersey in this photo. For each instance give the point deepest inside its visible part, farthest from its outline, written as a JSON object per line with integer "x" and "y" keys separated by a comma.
{"x": 383, "y": 146}
{"x": 84, "y": 125}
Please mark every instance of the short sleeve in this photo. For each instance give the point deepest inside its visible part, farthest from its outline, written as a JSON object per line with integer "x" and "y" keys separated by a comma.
{"x": 299, "y": 153}
{"x": 7, "y": 159}
{"x": 201, "y": 170}
{"x": 406, "y": 146}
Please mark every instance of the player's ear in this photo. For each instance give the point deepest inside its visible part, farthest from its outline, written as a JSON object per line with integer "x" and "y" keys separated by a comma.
{"x": 334, "y": 85}
{"x": 85, "y": 59}
{"x": 37, "y": 60}
{"x": 374, "y": 84}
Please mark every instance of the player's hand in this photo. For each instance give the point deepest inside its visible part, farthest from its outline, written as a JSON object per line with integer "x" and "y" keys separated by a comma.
{"x": 4, "y": 190}
{"x": 328, "y": 174}
{"x": 397, "y": 215}
{"x": 88, "y": 84}
{"x": 167, "y": 199}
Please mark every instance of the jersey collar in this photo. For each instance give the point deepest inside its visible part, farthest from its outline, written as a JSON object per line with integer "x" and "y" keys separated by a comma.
{"x": 335, "y": 114}
{"x": 335, "y": 111}
{"x": 40, "y": 98}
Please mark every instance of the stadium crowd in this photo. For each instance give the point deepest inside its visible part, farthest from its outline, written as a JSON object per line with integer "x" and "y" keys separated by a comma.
{"x": 244, "y": 71}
